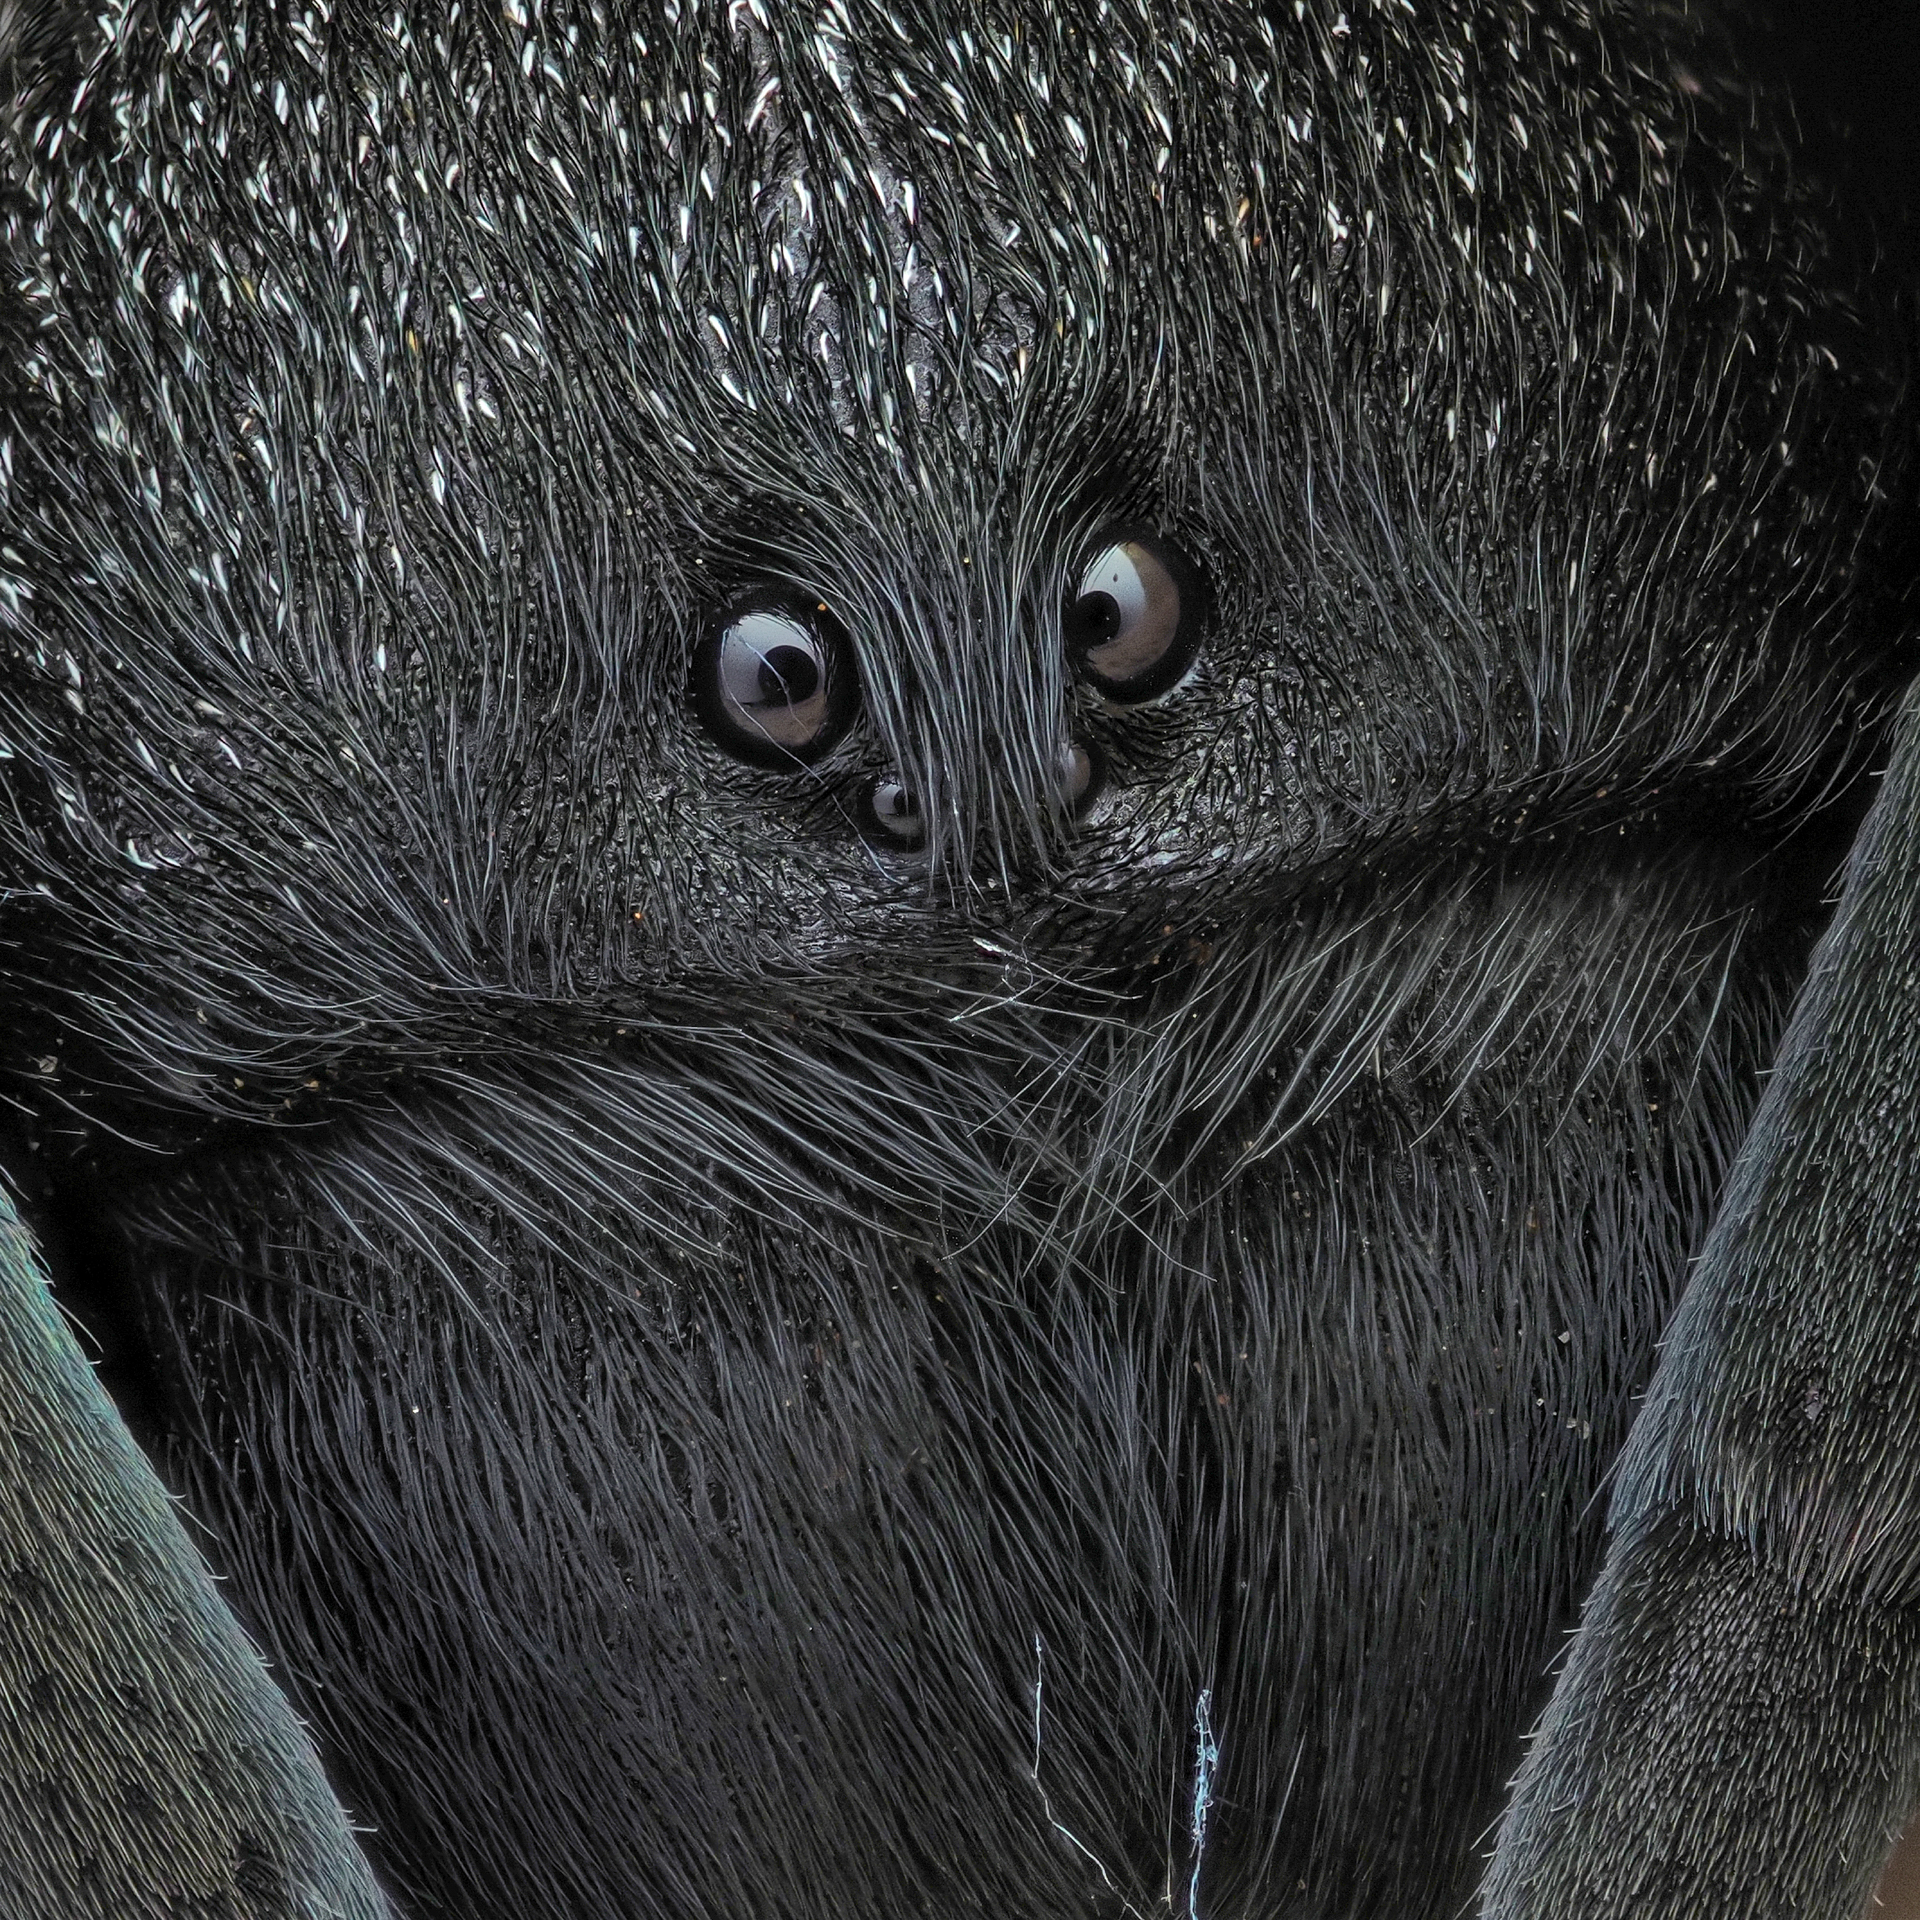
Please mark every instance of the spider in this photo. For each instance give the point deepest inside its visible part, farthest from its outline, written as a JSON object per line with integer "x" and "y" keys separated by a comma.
{"x": 894, "y": 899}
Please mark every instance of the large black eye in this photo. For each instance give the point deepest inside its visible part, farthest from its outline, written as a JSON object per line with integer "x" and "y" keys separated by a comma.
{"x": 1134, "y": 622}
{"x": 773, "y": 680}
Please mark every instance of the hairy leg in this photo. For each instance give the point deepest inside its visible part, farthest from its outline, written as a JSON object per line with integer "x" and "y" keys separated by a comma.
{"x": 1738, "y": 1729}
{"x": 1693, "y": 1655}
{"x": 147, "y": 1763}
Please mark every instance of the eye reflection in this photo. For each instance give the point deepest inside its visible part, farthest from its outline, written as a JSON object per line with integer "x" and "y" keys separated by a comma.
{"x": 1133, "y": 623}
{"x": 773, "y": 681}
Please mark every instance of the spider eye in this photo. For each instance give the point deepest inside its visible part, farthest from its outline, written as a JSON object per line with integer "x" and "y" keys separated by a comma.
{"x": 1134, "y": 621}
{"x": 1081, "y": 777}
{"x": 891, "y": 814}
{"x": 773, "y": 680}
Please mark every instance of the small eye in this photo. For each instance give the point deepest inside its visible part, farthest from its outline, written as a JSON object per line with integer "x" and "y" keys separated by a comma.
{"x": 1134, "y": 623}
{"x": 1081, "y": 777}
{"x": 891, "y": 814}
{"x": 773, "y": 680}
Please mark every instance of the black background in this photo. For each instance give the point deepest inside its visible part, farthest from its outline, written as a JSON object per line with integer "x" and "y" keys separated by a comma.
{"x": 1852, "y": 68}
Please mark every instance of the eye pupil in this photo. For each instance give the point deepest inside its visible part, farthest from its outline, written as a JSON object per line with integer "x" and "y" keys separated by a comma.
{"x": 1095, "y": 620}
{"x": 788, "y": 675}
